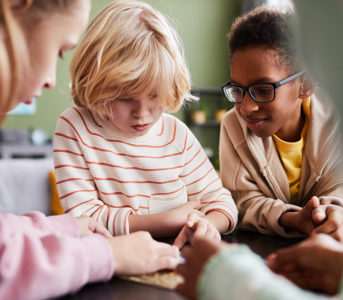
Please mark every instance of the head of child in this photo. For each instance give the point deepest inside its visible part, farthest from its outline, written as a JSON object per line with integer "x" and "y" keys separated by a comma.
{"x": 36, "y": 34}
{"x": 263, "y": 50}
{"x": 130, "y": 67}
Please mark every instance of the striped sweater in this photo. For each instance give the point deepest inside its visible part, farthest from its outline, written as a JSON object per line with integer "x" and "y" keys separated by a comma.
{"x": 104, "y": 174}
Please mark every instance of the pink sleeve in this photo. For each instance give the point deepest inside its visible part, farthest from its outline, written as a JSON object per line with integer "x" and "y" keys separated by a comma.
{"x": 38, "y": 264}
{"x": 63, "y": 223}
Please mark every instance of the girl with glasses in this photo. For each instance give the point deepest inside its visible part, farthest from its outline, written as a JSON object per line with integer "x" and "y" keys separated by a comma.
{"x": 279, "y": 145}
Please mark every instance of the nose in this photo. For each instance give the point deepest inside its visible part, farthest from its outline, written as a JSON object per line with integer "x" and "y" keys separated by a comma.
{"x": 50, "y": 81}
{"x": 248, "y": 105}
{"x": 141, "y": 109}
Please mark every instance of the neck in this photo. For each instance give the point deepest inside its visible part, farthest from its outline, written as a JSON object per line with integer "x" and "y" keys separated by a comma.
{"x": 292, "y": 132}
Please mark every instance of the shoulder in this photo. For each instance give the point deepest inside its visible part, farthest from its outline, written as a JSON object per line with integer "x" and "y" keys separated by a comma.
{"x": 233, "y": 126}
{"x": 231, "y": 119}
{"x": 75, "y": 113}
{"x": 173, "y": 122}
{"x": 322, "y": 105}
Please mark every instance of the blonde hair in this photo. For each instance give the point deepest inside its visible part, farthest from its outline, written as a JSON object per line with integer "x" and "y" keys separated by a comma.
{"x": 13, "y": 53}
{"x": 127, "y": 49}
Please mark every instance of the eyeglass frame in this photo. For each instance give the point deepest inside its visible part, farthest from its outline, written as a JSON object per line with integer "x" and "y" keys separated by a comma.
{"x": 274, "y": 84}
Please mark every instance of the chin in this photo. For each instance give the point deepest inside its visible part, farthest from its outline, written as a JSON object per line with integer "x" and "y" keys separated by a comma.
{"x": 262, "y": 134}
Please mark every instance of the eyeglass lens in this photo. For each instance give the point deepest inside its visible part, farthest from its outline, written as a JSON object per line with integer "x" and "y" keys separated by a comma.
{"x": 259, "y": 92}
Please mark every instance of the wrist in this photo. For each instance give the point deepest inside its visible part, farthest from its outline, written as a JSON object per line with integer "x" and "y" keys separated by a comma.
{"x": 290, "y": 220}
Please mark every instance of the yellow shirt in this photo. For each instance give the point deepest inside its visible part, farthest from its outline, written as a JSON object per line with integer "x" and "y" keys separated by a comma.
{"x": 291, "y": 154}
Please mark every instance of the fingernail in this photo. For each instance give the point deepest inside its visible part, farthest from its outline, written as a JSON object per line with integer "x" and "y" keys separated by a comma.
{"x": 182, "y": 260}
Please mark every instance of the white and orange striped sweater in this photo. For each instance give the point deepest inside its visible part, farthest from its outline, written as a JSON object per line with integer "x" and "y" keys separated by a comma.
{"x": 106, "y": 175}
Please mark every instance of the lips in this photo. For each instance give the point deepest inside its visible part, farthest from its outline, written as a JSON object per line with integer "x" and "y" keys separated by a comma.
{"x": 140, "y": 127}
{"x": 254, "y": 123}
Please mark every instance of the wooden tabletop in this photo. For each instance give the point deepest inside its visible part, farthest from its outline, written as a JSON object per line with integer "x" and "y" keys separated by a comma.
{"x": 119, "y": 289}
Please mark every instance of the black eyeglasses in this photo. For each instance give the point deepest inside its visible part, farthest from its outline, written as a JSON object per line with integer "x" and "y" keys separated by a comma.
{"x": 260, "y": 92}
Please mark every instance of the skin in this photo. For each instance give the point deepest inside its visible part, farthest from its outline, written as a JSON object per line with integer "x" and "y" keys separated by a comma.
{"x": 136, "y": 115}
{"x": 315, "y": 218}
{"x": 152, "y": 255}
{"x": 283, "y": 116}
{"x": 196, "y": 257}
{"x": 46, "y": 42}
{"x": 44, "y": 48}
{"x": 316, "y": 263}
{"x": 183, "y": 221}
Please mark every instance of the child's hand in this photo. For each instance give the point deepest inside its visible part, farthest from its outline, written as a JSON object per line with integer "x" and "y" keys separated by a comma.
{"x": 196, "y": 258}
{"x": 180, "y": 214}
{"x": 87, "y": 226}
{"x": 333, "y": 222}
{"x": 316, "y": 263}
{"x": 196, "y": 226}
{"x": 305, "y": 219}
{"x": 138, "y": 253}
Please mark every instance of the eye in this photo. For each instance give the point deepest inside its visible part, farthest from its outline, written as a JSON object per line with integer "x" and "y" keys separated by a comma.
{"x": 125, "y": 100}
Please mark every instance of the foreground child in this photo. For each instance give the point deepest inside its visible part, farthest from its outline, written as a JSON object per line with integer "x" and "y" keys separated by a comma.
{"x": 279, "y": 149}
{"x": 45, "y": 257}
{"x": 222, "y": 271}
{"x": 118, "y": 157}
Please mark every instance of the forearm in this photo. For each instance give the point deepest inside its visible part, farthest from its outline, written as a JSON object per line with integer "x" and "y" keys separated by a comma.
{"x": 64, "y": 263}
{"x": 248, "y": 278}
{"x": 289, "y": 220}
{"x": 219, "y": 220}
{"x": 159, "y": 225}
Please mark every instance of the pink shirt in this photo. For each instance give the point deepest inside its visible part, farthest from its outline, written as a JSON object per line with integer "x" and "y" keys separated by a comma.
{"x": 43, "y": 257}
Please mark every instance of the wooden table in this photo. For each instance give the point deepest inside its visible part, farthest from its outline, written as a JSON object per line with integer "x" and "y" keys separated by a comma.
{"x": 118, "y": 289}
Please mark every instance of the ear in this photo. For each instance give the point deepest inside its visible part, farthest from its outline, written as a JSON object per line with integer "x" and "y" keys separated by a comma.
{"x": 20, "y": 5}
{"x": 307, "y": 87}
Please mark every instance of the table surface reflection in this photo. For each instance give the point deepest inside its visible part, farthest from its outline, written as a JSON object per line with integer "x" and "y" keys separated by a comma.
{"x": 120, "y": 289}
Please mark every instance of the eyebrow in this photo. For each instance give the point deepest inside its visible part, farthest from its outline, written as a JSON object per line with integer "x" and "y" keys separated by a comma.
{"x": 259, "y": 80}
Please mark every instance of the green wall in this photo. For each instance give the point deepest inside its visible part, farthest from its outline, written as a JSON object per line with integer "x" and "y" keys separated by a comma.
{"x": 202, "y": 25}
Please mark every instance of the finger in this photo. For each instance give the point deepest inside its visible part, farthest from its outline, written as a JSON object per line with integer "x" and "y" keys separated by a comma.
{"x": 310, "y": 206}
{"x": 102, "y": 230}
{"x": 191, "y": 220}
{"x": 318, "y": 215}
{"x": 168, "y": 262}
{"x": 182, "y": 238}
{"x": 328, "y": 227}
{"x": 284, "y": 257}
{"x": 201, "y": 228}
{"x": 169, "y": 250}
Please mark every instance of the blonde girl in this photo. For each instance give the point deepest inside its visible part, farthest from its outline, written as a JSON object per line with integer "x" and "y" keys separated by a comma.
{"x": 118, "y": 157}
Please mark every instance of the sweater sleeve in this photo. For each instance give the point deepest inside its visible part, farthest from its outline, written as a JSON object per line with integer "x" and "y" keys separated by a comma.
{"x": 36, "y": 263}
{"x": 65, "y": 224}
{"x": 76, "y": 186}
{"x": 202, "y": 182}
{"x": 240, "y": 274}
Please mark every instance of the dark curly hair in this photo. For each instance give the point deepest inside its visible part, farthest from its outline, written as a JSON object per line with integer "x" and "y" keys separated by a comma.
{"x": 270, "y": 29}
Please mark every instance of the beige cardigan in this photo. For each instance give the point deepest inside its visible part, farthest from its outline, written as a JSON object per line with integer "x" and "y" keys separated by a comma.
{"x": 251, "y": 169}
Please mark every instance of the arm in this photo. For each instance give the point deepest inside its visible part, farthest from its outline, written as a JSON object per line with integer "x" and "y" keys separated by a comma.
{"x": 204, "y": 185}
{"x": 222, "y": 271}
{"x": 30, "y": 257}
{"x": 164, "y": 224}
{"x": 76, "y": 187}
